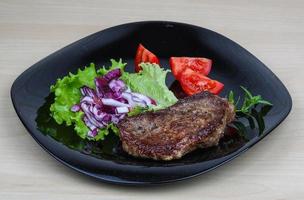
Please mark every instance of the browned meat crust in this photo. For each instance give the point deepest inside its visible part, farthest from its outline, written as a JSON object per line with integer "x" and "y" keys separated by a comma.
{"x": 193, "y": 122}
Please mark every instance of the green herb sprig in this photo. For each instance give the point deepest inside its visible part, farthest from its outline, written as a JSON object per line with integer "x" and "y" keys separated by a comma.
{"x": 248, "y": 110}
{"x": 249, "y": 101}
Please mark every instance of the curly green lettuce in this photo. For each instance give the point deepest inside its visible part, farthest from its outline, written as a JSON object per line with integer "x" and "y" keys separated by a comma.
{"x": 151, "y": 81}
{"x": 114, "y": 65}
{"x": 67, "y": 93}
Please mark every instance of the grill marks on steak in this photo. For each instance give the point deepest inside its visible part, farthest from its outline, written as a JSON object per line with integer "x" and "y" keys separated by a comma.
{"x": 194, "y": 122}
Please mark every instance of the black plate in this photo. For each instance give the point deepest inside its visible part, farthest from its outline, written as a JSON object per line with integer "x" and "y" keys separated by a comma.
{"x": 232, "y": 65}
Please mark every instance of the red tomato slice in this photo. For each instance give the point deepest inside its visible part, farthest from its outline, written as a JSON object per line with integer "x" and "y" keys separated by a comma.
{"x": 138, "y": 56}
{"x": 218, "y": 87}
{"x": 193, "y": 83}
{"x": 177, "y": 65}
{"x": 199, "y": 65}
{"x": 144, "y": 55}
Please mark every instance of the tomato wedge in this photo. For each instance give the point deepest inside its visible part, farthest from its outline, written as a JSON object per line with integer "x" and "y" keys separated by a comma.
{"x": 199, "y": 65}
{"x": 193, "y": 83}
{"x": 144, "y": 55}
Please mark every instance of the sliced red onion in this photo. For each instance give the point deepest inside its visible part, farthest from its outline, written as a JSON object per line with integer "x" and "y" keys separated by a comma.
{"x": 122, "y": 100}
{"x": 121, "y": 116}
{"x": 109, "y": 103}
{"x": 108, "y": 109}
{"x": 128, "y": 97}
{"x": 113, "y": 74}
{"x": 93, "y": 133}
{"x": 89, "y": 115}
{"x": 100, "y": 116}
{"x": 112, "y": 95}
{"x": 96, "y": 118}
{"x": 115, "y": 119}
{"x": 88, "y": 123}
{"x": 122, "y": 110}
{"x": 136, "y": 99}
{"x": 113, "y": 102}
{"x": 144, "y": 98}
{"x": 117, "y": 85}
{"x": 75, "y": 108}
{"x": 87, "y": 99}
{"x": 107, "y": 118}
{"x": 95, "y": 110}
{"x": 86, "y": 91}
{"x": 101, "y": 84}
{"x": 153, "y": 101}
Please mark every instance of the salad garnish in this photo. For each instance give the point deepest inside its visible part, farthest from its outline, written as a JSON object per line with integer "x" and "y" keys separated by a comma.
{"x": 192, "y": 74}
{"x": 143, "y": 55}
{"x": 109, "y": 102}
{"x": 95, "y": 101}
{"x": 249, "y": 101}
{"x": 253, "y": 108}
{"x": 151, "y": 81}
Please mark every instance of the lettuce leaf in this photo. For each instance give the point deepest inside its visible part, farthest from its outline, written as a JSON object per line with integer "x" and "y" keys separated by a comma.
{"x": 67, "y": 93}
{"x": 151, "y": 81}
{"x": 114, "y": 65}
{"x": 137, "y": 110}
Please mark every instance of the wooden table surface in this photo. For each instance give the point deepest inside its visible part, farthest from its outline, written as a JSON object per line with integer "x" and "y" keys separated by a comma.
{"x": 272, "y": 30}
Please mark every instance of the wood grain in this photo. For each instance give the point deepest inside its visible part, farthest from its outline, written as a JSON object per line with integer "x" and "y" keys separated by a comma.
{"x": 271, "y": 30}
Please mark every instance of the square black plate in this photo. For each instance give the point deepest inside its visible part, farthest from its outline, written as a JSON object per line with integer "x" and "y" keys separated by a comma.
{"x": 232, "y": 65}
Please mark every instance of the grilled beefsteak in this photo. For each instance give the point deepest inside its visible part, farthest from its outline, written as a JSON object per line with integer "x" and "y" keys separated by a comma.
{"x": 193, "y": 122}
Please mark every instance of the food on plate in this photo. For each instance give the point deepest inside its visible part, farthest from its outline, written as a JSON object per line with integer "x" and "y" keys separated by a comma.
{"x": 199, "y": 65}
{"x": 151, "y": 81}
{"x": 247, "y": 109}
{"x": 192, "y": 73}
{"x": 194, "y": 122}
{"x": 139, "y": 107}
{"x": 194, "y": 83}
{"x": 95, "y": 101}
{"x": 144, "y": 55}
{"x": 249, "y": 101}
{"x": 108, "y": 103}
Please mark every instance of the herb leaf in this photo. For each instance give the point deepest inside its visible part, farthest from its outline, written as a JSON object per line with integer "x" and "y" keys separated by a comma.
{"x": 249, "y": 101}
{"x": 265, "y": 102}
{"x": 248, "y": 110}
{"x": 240, "y": 127}
{"x": 231, "y": 97}
{"x": 247, "y": 93}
